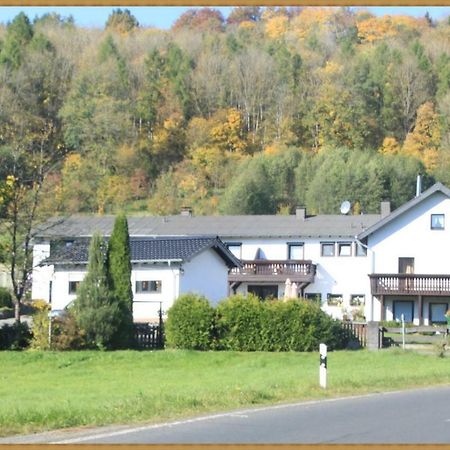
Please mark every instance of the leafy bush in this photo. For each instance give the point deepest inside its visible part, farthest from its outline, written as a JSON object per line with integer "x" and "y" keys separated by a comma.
{"x": 239, "y": 323}
{"x": 248, "y": 324}
{"x": 6, "y": 312}
{"x": 14, "y": 337}
{"x": 189, "y": 323}
{"x": 66, "y": 334}
{"x": 5, "y": 298}
{"x": 39, "y": 341}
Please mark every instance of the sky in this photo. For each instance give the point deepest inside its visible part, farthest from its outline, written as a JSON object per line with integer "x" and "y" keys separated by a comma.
{"x": 165, "y": 16}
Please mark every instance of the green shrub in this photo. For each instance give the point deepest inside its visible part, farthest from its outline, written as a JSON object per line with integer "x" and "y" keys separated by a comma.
{"x": 66, "y": 334}
{"x": 6, "y": 312}
{"x": 189, "y": 323}
{"x": 5, "y": 298}
{"x": 39, "y": 341}
{"x": 14, "y": 337}
{"x": 239, "y": 323}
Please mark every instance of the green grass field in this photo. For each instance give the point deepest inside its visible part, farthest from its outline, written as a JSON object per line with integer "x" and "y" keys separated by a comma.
{"x": 48, "y": 390}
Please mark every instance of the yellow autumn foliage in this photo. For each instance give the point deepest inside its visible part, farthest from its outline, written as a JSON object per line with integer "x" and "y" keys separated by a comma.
{"x": 277, "y": 26}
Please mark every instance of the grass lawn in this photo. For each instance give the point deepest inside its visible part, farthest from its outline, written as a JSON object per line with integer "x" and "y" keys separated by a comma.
{"x": 47, "y": 390}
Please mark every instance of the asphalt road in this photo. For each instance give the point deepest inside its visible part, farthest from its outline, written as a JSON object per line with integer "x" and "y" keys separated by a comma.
{"x": 414, "y": 416}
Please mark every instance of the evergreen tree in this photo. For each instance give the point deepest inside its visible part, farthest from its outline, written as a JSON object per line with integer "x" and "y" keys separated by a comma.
{"x": 95, "y": 311}
{"x": 119, "y": 278}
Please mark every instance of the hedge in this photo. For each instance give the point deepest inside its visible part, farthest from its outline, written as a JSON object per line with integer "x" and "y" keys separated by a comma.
{"x": 189, "y": 323}
{"x": 248, "y": 324}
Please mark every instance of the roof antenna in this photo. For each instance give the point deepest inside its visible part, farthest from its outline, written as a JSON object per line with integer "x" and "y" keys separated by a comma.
{"x": 345, "y": 207}
{"x": 418, "y": 185}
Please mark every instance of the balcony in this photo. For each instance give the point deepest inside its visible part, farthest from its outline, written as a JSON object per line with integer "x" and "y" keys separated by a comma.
{"x": 410, "y": 284}
{"x": 271, "y": 271}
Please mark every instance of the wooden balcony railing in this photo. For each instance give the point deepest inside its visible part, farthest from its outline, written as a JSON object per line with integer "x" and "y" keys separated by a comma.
{"x": 410, "y": 284}
{"x": 274, "y": 271}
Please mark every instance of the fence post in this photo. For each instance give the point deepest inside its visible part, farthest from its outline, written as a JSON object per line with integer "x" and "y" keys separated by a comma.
{"x": 373, "y": 341}
{"x": 323, "y": 366}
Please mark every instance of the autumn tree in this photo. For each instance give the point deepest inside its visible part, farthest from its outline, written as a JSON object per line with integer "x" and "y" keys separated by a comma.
{"x": 122, "y": 21}
{"x": 34, "y": 83}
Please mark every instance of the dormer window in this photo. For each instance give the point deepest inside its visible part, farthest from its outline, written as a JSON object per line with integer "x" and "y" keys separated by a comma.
{"x": 437, "y": 221}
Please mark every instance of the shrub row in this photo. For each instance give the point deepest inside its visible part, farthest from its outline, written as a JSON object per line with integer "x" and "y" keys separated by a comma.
{"x": 249, "y": 324}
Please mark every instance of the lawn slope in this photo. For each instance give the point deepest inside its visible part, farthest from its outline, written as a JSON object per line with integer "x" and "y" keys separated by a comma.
{"x": 48, "y": 390}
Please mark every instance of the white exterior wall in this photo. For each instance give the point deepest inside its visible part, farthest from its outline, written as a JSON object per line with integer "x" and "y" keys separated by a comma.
{"x": 146, "y": 305}
{"x": 41, "y": 275}
{"x": 206, "y": 274}
{"x": 410, "y": 235}
{"x": 60, "y": 285}
{"x": 345, "y": 275}
{"x": 342, "y": 275}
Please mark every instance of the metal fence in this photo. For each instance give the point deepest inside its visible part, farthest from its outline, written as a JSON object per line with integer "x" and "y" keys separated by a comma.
{"x": 148, "y": 336}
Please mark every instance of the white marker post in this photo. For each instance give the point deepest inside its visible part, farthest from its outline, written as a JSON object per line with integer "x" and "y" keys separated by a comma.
{"x": 323, "y": 366}
{"x": 403, "y": 331}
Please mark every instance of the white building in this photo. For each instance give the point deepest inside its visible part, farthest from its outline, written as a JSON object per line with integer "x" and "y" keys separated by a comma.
{"x": 345, "y": 262}
{"x": 409, "y": 267}
{"x": 162, "y": 269}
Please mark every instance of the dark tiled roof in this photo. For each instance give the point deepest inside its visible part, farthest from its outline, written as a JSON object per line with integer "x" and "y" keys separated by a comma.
{"x": 145, "y": 250}
{"x": 223, "y": 226}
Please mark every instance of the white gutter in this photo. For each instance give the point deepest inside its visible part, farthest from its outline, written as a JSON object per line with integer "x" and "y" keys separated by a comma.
{"x": 372, "y": 270}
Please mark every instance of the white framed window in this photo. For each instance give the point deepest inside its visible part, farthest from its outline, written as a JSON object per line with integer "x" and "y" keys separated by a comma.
{"x": 327, "y": 248}
{"x": 315, "y": 297}
{"x": 437, "y": 221}
{"x": 357, "y": 299}
{"x": 334, "y": 299}
{"x": 148, "y": 286}
{"x": 344, "y": 249}
{"x": 295, "y": 250}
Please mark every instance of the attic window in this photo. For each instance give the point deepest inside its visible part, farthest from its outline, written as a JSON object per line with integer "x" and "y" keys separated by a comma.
{"x": 437, "y": 221}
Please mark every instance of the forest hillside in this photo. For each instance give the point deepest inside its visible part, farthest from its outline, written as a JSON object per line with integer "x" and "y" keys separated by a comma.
{"x": 256, "y": 114}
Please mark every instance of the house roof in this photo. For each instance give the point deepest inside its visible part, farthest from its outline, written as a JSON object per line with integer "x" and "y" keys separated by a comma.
{"x": 437, "y": 187}
{"x": 234, "y": 227}
{"x": 151, "y": 250}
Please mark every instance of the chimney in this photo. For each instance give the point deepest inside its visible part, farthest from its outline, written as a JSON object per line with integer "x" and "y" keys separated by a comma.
{"x": 186, "y": 211}
{"x": 300, "y": 212}
{"x": 385, "y": 209}
{"x": 418, "y": 185}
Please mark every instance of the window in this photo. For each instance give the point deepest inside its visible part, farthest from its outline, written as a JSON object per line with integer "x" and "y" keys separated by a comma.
{"x": 437, "y": 221}
{"x": 328, "y": 248}
{"x": 405, "y": 265}
{"x": 235, "y": 248}
{"x": 314, "y": 297}
{"x": 148, "y": 286}
{"x": 360, "y": 250}
{"x": 295, "y": 250}
{"x": 357, "y": 299}
{"x": 345, "y": 249}
{"x": 73, "y": 287}
{"x": 334, "y": 299}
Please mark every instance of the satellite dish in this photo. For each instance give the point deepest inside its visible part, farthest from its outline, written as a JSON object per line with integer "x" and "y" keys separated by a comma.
{"x": 345, "y": 207}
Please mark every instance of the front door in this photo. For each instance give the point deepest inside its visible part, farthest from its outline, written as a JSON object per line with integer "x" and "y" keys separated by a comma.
{"x": 405, "y": 307}
{"x": 437, "y": 312}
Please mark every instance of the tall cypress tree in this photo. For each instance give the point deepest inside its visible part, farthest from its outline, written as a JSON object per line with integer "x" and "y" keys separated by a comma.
{"x": 119, "y": 279}
{"x": 95, "y": 310}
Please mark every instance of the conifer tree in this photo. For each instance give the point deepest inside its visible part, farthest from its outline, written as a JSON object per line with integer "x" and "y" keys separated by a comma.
{"x": 96, "y": 312}
{"x": 119, "y": 280}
